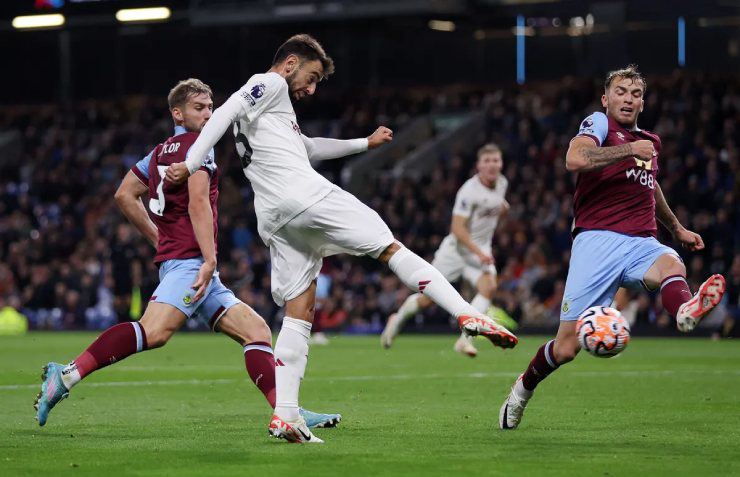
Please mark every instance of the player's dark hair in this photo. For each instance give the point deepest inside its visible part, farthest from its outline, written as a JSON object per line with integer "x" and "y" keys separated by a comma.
{"x": 489, "y": 148}
{"x": 183, "y": 90}
{"x": 629, "y": 72}
{"x": 305, "y": 47}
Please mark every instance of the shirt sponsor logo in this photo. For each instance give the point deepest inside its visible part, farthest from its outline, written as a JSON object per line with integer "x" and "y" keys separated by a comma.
{"x": 620, "y": 135}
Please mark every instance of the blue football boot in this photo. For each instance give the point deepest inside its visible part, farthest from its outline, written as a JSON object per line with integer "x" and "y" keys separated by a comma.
{"x": 314, "y": 419}
{"x": 52, "y": 391}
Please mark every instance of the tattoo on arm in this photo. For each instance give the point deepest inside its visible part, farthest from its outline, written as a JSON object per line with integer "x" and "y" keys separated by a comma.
{"x": 663, "y": 212}
{"x": 600, "y": 157}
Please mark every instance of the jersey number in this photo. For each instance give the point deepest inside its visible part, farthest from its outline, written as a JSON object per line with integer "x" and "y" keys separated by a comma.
{"x": 242, "y": 146}
{"x": 156, "y": 205}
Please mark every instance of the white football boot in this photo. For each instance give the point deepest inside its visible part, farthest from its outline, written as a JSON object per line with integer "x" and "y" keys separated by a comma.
{"x": 512, "y": 410}
{"x": 706, "y": 298}
{"x": 479, "y": 324}
{"x": 391, "y": 330}
{"x": 464, "y": 345}
{"x": 295, "y": 432}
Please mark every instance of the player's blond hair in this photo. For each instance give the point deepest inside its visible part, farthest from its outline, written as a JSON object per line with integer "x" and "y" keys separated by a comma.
{"x": 183, "y": 90}
{"x": 305, "y": 47}
{"x": 629, "y": 72}
{"x": 489, "y": 148}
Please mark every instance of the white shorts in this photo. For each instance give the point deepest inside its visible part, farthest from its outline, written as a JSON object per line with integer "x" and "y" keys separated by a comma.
{"x": 454, "y": 260}
{"x": 338, "y": 223}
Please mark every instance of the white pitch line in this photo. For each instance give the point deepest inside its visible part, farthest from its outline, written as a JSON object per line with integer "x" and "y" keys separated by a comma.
{"x": 394, "y": 377}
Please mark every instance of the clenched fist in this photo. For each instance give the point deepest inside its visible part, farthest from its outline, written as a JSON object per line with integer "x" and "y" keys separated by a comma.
{"x": 381, "y": 136}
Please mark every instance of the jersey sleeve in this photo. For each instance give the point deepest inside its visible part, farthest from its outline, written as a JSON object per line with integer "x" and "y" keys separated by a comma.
{"x": 209, "y": 164}
{"x": 258, "y": 94}
{"x": 596, "y": 127}
{"x": 141, "y": 168}
{"x": 321, "y": 148}
{"x": 463, "y": 202}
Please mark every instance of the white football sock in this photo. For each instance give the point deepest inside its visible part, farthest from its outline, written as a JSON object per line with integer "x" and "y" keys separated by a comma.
{"x": 521, "y": 391}
{"x": 420, "y": 276}
{"x": 480, "y": 303}
{"x": 291, "y": 351}
{"x": 409, "y": 308}
{"x": 70, "y": 375}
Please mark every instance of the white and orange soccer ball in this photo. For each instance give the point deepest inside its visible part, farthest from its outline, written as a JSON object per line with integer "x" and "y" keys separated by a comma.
{"x": 603, "y": 331}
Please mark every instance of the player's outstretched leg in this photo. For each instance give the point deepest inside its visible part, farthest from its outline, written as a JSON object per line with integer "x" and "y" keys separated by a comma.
{"x": 115, "y": 344}
{"x": 422, "y": 277}
{"x": 548, "y": 358}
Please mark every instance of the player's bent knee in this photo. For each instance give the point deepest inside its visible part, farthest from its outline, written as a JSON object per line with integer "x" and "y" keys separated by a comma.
{"x": 389, "y": 251}
{"x": 244, "y": 325}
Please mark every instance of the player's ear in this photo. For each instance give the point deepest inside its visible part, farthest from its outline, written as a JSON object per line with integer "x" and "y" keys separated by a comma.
{"x": 291, "y": 64}
{"x": 603, "y": 100}
{"x": 177, "y": 115}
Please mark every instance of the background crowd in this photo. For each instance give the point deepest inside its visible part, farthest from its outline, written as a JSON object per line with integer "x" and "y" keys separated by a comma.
{"x": 68, "y": 258}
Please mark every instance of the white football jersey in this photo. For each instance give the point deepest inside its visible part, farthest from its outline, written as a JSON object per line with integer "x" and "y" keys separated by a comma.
{"x": 482, "y": 207}
{"x": 273, "y": 155}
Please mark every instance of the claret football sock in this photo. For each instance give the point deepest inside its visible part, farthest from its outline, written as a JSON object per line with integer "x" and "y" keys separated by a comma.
{"x": 674, "y": 292}
{"x": 422, "y": 277}
{"x": 291, "y": 356}
{"x": 539, "y": 368}
{"x": 260, "y": 362}
{"x": 115, "y": 344}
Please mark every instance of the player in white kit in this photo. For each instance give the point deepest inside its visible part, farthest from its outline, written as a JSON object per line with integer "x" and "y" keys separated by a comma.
{"x": 466, "y": 251}
{"x": 303, "y": 217}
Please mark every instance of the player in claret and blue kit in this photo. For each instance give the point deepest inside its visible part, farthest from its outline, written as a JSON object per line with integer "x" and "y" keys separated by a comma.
{"x": 616, "y": 203}
{"x": 183, "y": 228}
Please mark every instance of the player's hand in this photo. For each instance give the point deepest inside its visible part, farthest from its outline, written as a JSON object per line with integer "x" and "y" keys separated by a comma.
{"x": 689, "y": 240}
{"x": 205, "y": 274}
{"x": 381, "y": 136}
{"x": 643, "y": 149}
{"x": 486, "y": 259}
{"x": 177, "y": 173}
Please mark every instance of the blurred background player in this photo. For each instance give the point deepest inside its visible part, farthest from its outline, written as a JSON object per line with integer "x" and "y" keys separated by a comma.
{"x": 303, "y": 217}
{"x": 466, "y": 251}
{"x": 616, "y": 203}
{"x": 183, "y": 230}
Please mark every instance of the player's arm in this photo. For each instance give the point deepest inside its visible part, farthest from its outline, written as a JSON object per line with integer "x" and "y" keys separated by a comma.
{"x": 461, "y": 231}
{"x": 128, "y": 198}
{"x": 201, "y": 216}
{"x": 664, "y": 214}
{"x": 585, "y": 155}
{"x": 256, "y": 96}
{"x": 321, "y": 149}
{"x": 222, "y": 118}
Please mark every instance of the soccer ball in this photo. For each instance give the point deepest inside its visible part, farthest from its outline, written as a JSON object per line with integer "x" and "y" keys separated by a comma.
{"x": 602, "y": 331}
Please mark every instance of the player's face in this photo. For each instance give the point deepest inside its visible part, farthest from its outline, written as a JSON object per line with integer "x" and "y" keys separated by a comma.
{"x": 624, "y": 100}
{"x": 489, "y": 166}
{"x": 195, "y": 114}
{"x": 302, "y": 82}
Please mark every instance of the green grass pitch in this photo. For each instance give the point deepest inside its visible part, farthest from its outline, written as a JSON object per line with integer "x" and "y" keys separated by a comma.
{"x": 665, "y": 407}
